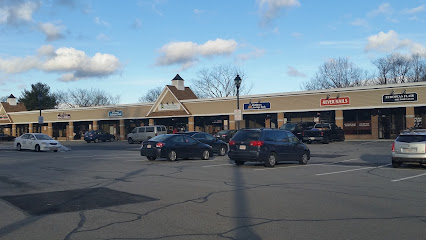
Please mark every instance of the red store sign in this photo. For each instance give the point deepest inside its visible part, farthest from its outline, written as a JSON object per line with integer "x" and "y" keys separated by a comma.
{"x": 334, "y": 101}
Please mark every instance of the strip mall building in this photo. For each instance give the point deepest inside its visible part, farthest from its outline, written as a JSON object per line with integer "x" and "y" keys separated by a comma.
{"x": 369, "y": 112}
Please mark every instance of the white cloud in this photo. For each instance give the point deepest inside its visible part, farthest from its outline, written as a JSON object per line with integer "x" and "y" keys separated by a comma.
{"x": 187, "y": 53}
{"x": 51, "y": 31}
{"x": 73, "y": 64}
{"x": 384, "y": 8}
{"x": 390, "y": 41}
{"x": 15, "y": 14}
{"x": 360, "y": 22}
{"x": 292, "y": 72}
{"x": 418, "y": 9}
{"x": 270, "y": 8}
{"x": 103, "y": 37}
{"x": 256, "y": 53}
{"x": 99, "y": 21}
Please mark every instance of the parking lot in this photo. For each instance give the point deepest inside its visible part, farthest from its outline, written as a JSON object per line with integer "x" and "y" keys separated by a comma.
{"x": 348, "y": 190}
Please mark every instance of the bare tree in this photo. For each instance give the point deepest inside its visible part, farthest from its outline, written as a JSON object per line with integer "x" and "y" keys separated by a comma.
{"x": 218, "y": 81}
{"x": 418, "y": 68}
{"x": 151, "y": 95}
{"x": 85, "y": 98}
{"x": 336, "y": 73}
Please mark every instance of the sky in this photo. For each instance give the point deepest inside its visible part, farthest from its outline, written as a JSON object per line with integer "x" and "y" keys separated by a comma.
{"x": 128, "y": 47}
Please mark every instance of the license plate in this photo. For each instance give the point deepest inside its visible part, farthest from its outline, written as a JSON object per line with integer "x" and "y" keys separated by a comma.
{"x": 243, "y": 147}
{"x": 148, "y": 146}
{"x": 408, "y": 150}
{"x": 311, "y": 138}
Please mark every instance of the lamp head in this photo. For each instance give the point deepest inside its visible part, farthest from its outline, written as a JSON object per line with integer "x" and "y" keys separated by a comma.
{"x": 238, "y": 81}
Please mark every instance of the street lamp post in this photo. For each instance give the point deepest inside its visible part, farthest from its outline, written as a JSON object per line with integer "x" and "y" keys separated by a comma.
{"x": 237, "y": 82}
{"x": 40, "y": 119}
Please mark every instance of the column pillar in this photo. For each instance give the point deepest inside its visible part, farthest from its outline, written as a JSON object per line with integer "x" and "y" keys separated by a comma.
{"x": 122, "y": 130}
{"x": 375, "y": 126}
{"x": 409, "y": 117}
{"x": 280, "y": 119}
{"x": 14, "y": 130}
{"x": 191, "y": 125}
{"x": 30, "y": 128}
{"x": 95, "y": 125}
{"x": 50, "y": 129}
{"x": 267, "y": 122}
{"x": 151, "y": 122}
{"x": 232, "y": 124}
{"x": 70, "y": 134}
{"x": 339, "y": 118}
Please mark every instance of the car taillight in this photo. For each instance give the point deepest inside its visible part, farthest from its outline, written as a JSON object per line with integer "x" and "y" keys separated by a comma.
{"x": 223, "y": 135}
{"x": 256, "y": 143}
{"x": 160, "y": 144}
{"x": 155, "y": 134}
{"x": 393, "y": 146}
{"x": 303, "y": 134}
{"x": 322, "y": 133}
{"x": 231, "y": 143}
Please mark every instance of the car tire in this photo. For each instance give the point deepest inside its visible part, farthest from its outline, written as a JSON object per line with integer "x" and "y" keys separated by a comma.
{"x": 304, "y": 159}
{"x": 172, "y": 156}
{"x": 239, "y": 163}
{"x": 205, "y": 155}
{"x": 271, "y": 160}
{"x": 55, "y": 150}
{"x": 222, "y": 151}
{"x": 326, "y": 140}
{"x": 37, "y": 148}
{"x": 112, "y": 139}
{"x": 396, "y": 164}
{"x": 309, "y": 141}
{"x": 96, "y": 140}
{"x": 18, "y": 147}
{"x": 130, "y": 140}
{"x": 151, "y": 158}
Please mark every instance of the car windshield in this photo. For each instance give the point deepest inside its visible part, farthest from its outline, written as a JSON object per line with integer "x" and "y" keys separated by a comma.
{"x": 411, "y": 138}
{"x": 160, "y": 138}
{"x": 222, "y": 132}
{"x": 288, "y": 126}
{"x": 89, "y": 132}
{"x": 43, "y": 137}
{"x": 247, "y": 136}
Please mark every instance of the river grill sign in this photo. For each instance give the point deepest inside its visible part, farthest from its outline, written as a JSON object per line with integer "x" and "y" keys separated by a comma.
{"x": 401, "y": 97}
{"x": 334, "y": 101}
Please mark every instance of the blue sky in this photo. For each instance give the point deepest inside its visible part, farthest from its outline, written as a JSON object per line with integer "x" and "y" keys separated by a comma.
{"x": 128, "y": 47}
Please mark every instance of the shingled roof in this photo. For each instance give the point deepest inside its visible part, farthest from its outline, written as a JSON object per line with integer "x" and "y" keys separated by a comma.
{"x": 182, "y": 95}
{"x": 20, "y": 107}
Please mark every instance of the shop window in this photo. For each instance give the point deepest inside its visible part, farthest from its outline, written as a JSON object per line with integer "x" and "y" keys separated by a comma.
{"x": 357, "y": 122}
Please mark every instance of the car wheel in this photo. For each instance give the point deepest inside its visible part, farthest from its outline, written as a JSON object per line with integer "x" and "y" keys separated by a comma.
{"x": 55, "y": 150}
{"x": 396, "y": 164}
{"x": 172, "y": 156}
{"x": 326, "y": 140}
{"x": 206, "y": 155}
{"x": 112, "y": 139}
{"x": 18, "y": 147}
{"x": 271, "y": 161}
{"x": 309, "y": 141}
{"x": 88, "y": 141}
{"x": 151, "y": 158}
{"x": 303, "y": 159}
{"x": 96, "y": 140}
{"x": 130, "y": 141}
{"x": 239, "y": 163}
{"x": 222, "y": 151}
{"x": 37, "y": 148}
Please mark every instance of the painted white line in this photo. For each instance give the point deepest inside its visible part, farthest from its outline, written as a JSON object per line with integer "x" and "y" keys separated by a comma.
{"x": 263, "y": 169}
{"x": 198, "y": 161}
{"x": 358, "y": 169}
{"x": 219, "y": 165}
{"x": 353, "y": 159}
{"x": 402, "y": 179}
{"x": 136, "y": 160}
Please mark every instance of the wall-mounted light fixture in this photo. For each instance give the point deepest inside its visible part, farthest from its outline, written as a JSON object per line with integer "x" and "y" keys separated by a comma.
{"x": 338, "y": 95}
{"x": 404, "y": 91}
{"x": 328, "y": 96}
{"x": 392, "y": 92}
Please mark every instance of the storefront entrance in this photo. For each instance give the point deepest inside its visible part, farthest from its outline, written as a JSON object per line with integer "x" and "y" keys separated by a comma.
{"x": 391, "y": 122}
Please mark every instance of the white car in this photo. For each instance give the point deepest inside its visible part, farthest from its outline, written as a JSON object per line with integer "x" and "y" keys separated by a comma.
{"x": 37, "y": 142}
{"x": 409, "y": 147}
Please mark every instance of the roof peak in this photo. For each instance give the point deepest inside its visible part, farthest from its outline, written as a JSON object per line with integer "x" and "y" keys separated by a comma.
{"x": 177, "y": 77}
{"x": 11, "y": 96}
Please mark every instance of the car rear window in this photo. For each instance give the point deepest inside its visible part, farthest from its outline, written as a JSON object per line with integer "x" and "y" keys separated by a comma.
{"x": 247, "y": 136}
{"x": 411, "y": 138}
{"x": 222, "y": 132}
{"x": 289, "y": 127}
{"x": 160, "y": 138}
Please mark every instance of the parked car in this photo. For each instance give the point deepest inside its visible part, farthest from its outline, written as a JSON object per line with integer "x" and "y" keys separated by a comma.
{"x": 324, "y": 132}
{"x": 225, "y": 135}
{"x": 298, "y": 128}
{"x": 174, "y": 146}
{"x": 37, "y": 142}
{"x": 409, "y": 147}
{"x": 268, "y": 146}
{"x": 98, "y": 135}
{"x": 6, "y": 137}
{"x": 140, "y": 134}
{"x": 218, "y": 145}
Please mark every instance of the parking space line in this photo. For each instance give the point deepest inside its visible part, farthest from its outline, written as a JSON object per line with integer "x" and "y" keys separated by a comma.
{"x": 351, "y": 170}
{"x": 402, "y": 179}
{"x": 353, "y": 159}
{"x": 219, "y": 165}
{"x": 263, "y": 169}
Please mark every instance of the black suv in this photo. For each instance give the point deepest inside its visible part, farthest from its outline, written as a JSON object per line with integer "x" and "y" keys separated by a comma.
{"x": 268, "y": 146}
{"x": 98, "y": 135}
{"x": 225, "y": 135}
{"x": 297, "y": 128}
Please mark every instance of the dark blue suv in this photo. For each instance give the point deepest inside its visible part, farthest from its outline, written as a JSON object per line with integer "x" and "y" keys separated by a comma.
{"x": 268, "y": 146}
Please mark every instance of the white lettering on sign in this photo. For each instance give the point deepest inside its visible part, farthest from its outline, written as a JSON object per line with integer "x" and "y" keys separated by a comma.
{"x": 335, "y": 101}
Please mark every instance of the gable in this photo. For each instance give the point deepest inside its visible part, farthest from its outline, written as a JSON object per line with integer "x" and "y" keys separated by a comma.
{"x": 166, "y": 104}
